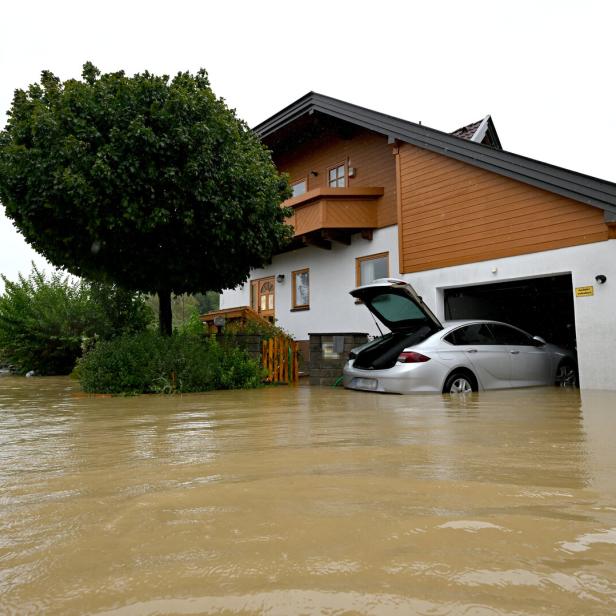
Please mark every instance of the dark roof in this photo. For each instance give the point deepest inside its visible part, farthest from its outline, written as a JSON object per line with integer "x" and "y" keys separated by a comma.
{"x": 467, "y": 132}
{"x": 482, "y": 131}
{"x": 583, "y": 188}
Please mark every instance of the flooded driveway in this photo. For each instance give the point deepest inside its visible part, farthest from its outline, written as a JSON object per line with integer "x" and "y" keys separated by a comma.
{"x": 306, "y": 501}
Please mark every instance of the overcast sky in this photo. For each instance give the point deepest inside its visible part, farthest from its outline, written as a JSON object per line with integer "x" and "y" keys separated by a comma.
{"x": 543, "y": 69}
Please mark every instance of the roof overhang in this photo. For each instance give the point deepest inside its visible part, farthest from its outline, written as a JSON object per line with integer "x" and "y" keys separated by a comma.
{"x": 580, "y": 187}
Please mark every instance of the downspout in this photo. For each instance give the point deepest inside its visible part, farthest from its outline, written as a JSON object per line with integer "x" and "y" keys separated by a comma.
{"x": 396, "y": 153}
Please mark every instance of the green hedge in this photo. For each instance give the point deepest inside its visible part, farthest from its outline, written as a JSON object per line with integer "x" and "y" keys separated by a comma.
{"x": 151, "y": 363}
{"x": 45, "y": 320}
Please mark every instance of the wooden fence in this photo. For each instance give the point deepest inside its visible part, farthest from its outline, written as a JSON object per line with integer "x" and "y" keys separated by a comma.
{"x": 279, "y": 356}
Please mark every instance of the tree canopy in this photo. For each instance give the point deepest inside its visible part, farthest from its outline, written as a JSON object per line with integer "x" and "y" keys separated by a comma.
{"x": 148, "y": 182}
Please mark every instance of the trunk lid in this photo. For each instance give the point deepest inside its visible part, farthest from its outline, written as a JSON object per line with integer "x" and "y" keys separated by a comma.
{"x": 396, "y": 304}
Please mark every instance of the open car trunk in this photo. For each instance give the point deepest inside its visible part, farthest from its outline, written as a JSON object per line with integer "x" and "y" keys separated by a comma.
{"x": 396, "y": 304}
{"x": 383, "y": 352}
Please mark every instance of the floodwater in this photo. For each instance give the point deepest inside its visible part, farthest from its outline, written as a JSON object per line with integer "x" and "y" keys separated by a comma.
{"x": 287, "y": 501}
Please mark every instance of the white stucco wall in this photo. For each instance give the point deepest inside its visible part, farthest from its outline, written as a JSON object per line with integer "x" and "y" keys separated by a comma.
{"x": 595, "y": 317}
{"x": 332, "y": 309}
{"x": 332, "y": 276}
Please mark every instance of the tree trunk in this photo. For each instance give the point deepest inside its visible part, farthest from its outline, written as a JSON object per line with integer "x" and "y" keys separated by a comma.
{"x": 164, "y": 312}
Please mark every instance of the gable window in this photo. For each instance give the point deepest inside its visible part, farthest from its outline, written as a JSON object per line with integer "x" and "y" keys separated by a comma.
{"x": 301, "y": 289}
{"x": 299, "y": 187}
{"x": 371, "y": 267}
{"x": 337, "y": 176}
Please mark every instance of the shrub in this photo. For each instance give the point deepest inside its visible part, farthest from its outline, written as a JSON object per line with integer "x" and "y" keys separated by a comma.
{"x": 150, "y": 363}
{"x": 44, "y": 320}
{"x": 260, "y": 327}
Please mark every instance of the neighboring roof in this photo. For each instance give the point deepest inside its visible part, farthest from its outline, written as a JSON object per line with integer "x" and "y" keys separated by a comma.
{"x": 467, "y": 132}
{"x": 482, "y": 131}
{"x": 583, "y": 188}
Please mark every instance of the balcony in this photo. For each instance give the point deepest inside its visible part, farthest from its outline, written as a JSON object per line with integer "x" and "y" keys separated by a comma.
{"x": 325, "y": 214}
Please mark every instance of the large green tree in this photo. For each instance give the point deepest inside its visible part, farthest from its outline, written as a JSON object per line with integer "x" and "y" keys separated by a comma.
{"x": 148, "y": 182}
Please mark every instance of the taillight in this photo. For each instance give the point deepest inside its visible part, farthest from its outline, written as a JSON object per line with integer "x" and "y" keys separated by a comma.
{"x": 411, "y": 357}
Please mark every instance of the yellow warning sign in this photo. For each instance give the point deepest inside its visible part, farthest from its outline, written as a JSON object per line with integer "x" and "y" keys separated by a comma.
{"x": 584, "y": 291}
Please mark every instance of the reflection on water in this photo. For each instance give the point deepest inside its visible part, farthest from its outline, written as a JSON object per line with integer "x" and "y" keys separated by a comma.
{"x": 306, "y": 501}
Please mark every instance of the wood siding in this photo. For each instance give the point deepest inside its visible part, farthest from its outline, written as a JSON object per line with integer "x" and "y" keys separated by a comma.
{"x": 453, "y": 213}
{"x": 367, "y": 152}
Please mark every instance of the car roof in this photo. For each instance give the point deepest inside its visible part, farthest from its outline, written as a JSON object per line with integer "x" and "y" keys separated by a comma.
{"x": 449, "y": 325}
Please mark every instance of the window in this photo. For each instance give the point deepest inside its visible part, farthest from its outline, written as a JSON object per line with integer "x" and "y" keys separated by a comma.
{"x": 510, "y": 335}
{"x": 396, "y": 308}
{"x": 301, "y": 289}
{"x": 478, "y": 334}
{"x": 262, "y": 296}
{"x": 371, "y": 267}
{"x": 336, "y": 177}
{"x": 266, "y": 296}
{"x": 299, "y": 187}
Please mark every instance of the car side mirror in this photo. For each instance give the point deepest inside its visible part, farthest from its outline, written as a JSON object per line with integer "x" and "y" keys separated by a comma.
{"x": 539, "y": 340}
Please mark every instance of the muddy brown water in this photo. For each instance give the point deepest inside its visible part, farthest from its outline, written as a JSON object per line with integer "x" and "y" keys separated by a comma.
{"x": 306, "y": 501}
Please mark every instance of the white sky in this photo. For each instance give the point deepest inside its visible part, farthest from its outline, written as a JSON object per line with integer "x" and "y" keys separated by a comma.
{"x": 544, "y": 69}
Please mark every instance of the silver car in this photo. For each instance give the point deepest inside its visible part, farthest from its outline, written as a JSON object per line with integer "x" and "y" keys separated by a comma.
{"x": 421, "y": 354}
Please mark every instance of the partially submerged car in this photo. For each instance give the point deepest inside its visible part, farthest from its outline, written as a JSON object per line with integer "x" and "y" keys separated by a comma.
{"x": 421, "y": 354}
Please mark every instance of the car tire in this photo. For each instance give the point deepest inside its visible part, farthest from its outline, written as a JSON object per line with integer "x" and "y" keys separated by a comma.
{"x": 566, "y": 375}
{"x": 460, "y": 383}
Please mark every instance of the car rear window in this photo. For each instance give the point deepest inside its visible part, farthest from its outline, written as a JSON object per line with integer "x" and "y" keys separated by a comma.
{"x": 396, "y": 308}
{"x": 477, "y": 333}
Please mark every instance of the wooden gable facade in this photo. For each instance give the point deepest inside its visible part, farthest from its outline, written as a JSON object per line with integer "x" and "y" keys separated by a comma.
{"x": 452, "y": 213}
{"x": 369, "y": 156}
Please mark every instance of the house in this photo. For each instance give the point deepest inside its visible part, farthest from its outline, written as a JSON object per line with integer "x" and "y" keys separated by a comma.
{"x": 478, "y": 231}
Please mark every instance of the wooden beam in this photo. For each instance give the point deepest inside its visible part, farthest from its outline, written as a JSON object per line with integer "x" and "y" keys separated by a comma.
{"x": 337, "y": 235}
{"x": 318, "y": 241}
{"x": 294, "y": 244}
{"x": 367, "y": 234}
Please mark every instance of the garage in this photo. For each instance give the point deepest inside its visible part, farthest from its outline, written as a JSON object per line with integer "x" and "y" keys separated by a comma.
{"x": 541, "y": 306}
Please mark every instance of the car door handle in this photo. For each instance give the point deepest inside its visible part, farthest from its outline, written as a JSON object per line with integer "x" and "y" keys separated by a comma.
{"x": 515, "y": 352}
{"x": 472, "y": 351}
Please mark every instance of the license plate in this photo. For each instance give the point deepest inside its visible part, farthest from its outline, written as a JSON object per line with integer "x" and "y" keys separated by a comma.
{"x": 361, "y": 383}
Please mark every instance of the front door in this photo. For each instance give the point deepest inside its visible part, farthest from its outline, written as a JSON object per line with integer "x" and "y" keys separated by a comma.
{"x": 262, "y": 300}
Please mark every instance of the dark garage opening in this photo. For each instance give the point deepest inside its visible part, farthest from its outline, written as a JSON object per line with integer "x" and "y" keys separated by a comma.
{"x": 541, "y": 306}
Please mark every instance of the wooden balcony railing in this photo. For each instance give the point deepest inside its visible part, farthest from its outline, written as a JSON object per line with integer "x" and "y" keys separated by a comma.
{"x": 347, "y": 209}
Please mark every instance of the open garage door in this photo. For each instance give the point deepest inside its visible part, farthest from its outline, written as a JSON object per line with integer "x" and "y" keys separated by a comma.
{"x": 541, "y": 306}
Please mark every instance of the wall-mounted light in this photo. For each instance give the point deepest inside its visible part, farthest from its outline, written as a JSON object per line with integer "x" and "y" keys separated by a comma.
{"x": 600, "y": 278}
{"x": 352, "y": 172}
{"x": 314, "y": 174}
{"x": 280, "y": 278}
{"x": 494, "y": 269}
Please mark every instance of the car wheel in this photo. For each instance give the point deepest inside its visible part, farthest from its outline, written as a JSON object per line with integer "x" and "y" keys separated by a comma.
{"x": 566, "y": 375}
{"x": 460, "y": 383}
